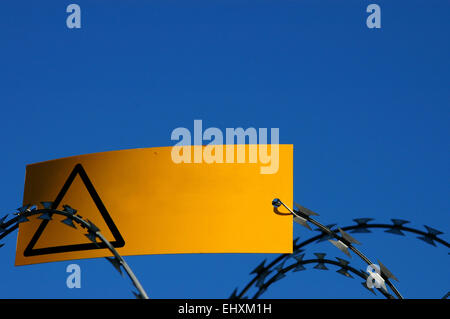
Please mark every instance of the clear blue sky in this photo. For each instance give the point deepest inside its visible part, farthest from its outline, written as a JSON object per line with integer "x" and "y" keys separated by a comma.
{"x": 367, "y": 111}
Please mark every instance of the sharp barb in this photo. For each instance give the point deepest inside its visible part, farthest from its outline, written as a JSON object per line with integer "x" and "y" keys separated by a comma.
{"x": 234, "y": 294}
{"x": 137, "y": 295}
{"x": 428, "y": 240}
{"x": 342, "y": 262}
{"x": 47, "y": 205}
{"x": 258, "y": 270}
{"x": 344, "y": 272}
{"x": 362, "y": 221}
{"x": 69, "y": 222}
{"x": 395, "y": 231}
{"x": 297, "y": 251}
{"x": 320, "y": 255}
{"x": 116, "y": 263}
{"x": 299, "y": 258}
{"x": 2, "y": 220}
{"x": 399, "y": 222}
{"x": 260, "y": 283}
{"x": 321, "y": 266}
{"x": 299, "y": 267}
{"x": 341, "y": 246}
{"x": 305, "y": 210}
{"x": 69, "y": 210}
{"x": 23, "y": 209}
{"x": 348, "y": 238}
{"x": 92, "y": 237}
{"x": 386, "y": 271}
{"x": 432, "y": 231}
{"x": 45, "y": 216}
{"x": 261, "y": 279}
{"x": 302, "y": 222}
{"x": 280, "y": 266}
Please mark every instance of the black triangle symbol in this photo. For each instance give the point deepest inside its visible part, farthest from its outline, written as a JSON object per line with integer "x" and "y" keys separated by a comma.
{"x": 118, "y": 239}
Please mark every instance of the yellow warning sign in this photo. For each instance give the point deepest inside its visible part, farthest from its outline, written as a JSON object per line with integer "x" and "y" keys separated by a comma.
{"x": 144, "y": 202}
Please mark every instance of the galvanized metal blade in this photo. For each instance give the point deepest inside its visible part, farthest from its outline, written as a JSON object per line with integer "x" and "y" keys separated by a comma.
{"x": 23, "y": 209}
{"x": 137, "y": 295}
{"x": 301, "y": 221}
{"x": 47, "y": 205}
{"x": 433, "y": 231}
{"x": 305, "y": 210}
{"x": 116, "y": 264}
{"x": 45, "y": 216}
{"x": 362, "y": 225}
{"x": 69, "y": 210}
{"x": 92, "y": 237}
{"x": 261, "y": 279}
{"x": 343, "y": 262}
{"x": 280, "y": 266}
{"x": 299, "y": 267}
{"x": 259, "y": 269}
{"x": 341, "y": 246}
{"x": 399, "y": 222}
{"x": 360, "y": 230}
{"x": 344, "y": 272}
{"x": 362, "y": 221}
{"x": 320, "y": 265}
{"x": 395, "y": 231}
{"x": 428, "y": 240}
{"x": 2, "y": 220}
{"x": 69, "y": 222}
{"x": 386, "y": 271}
{"x": 348, "y": 238}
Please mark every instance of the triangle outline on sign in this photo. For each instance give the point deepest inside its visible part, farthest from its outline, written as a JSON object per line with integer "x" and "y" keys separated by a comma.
{"x": 118, "y": 239}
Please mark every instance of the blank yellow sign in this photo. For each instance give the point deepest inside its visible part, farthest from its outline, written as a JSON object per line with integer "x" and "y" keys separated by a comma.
{"x": 145, "y": 203}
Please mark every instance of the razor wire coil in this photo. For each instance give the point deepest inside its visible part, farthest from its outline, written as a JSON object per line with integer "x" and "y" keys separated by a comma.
{"x": 327, "y": 233}
{"x": 262, "y": 272}
{"x": 72, "y": 218}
